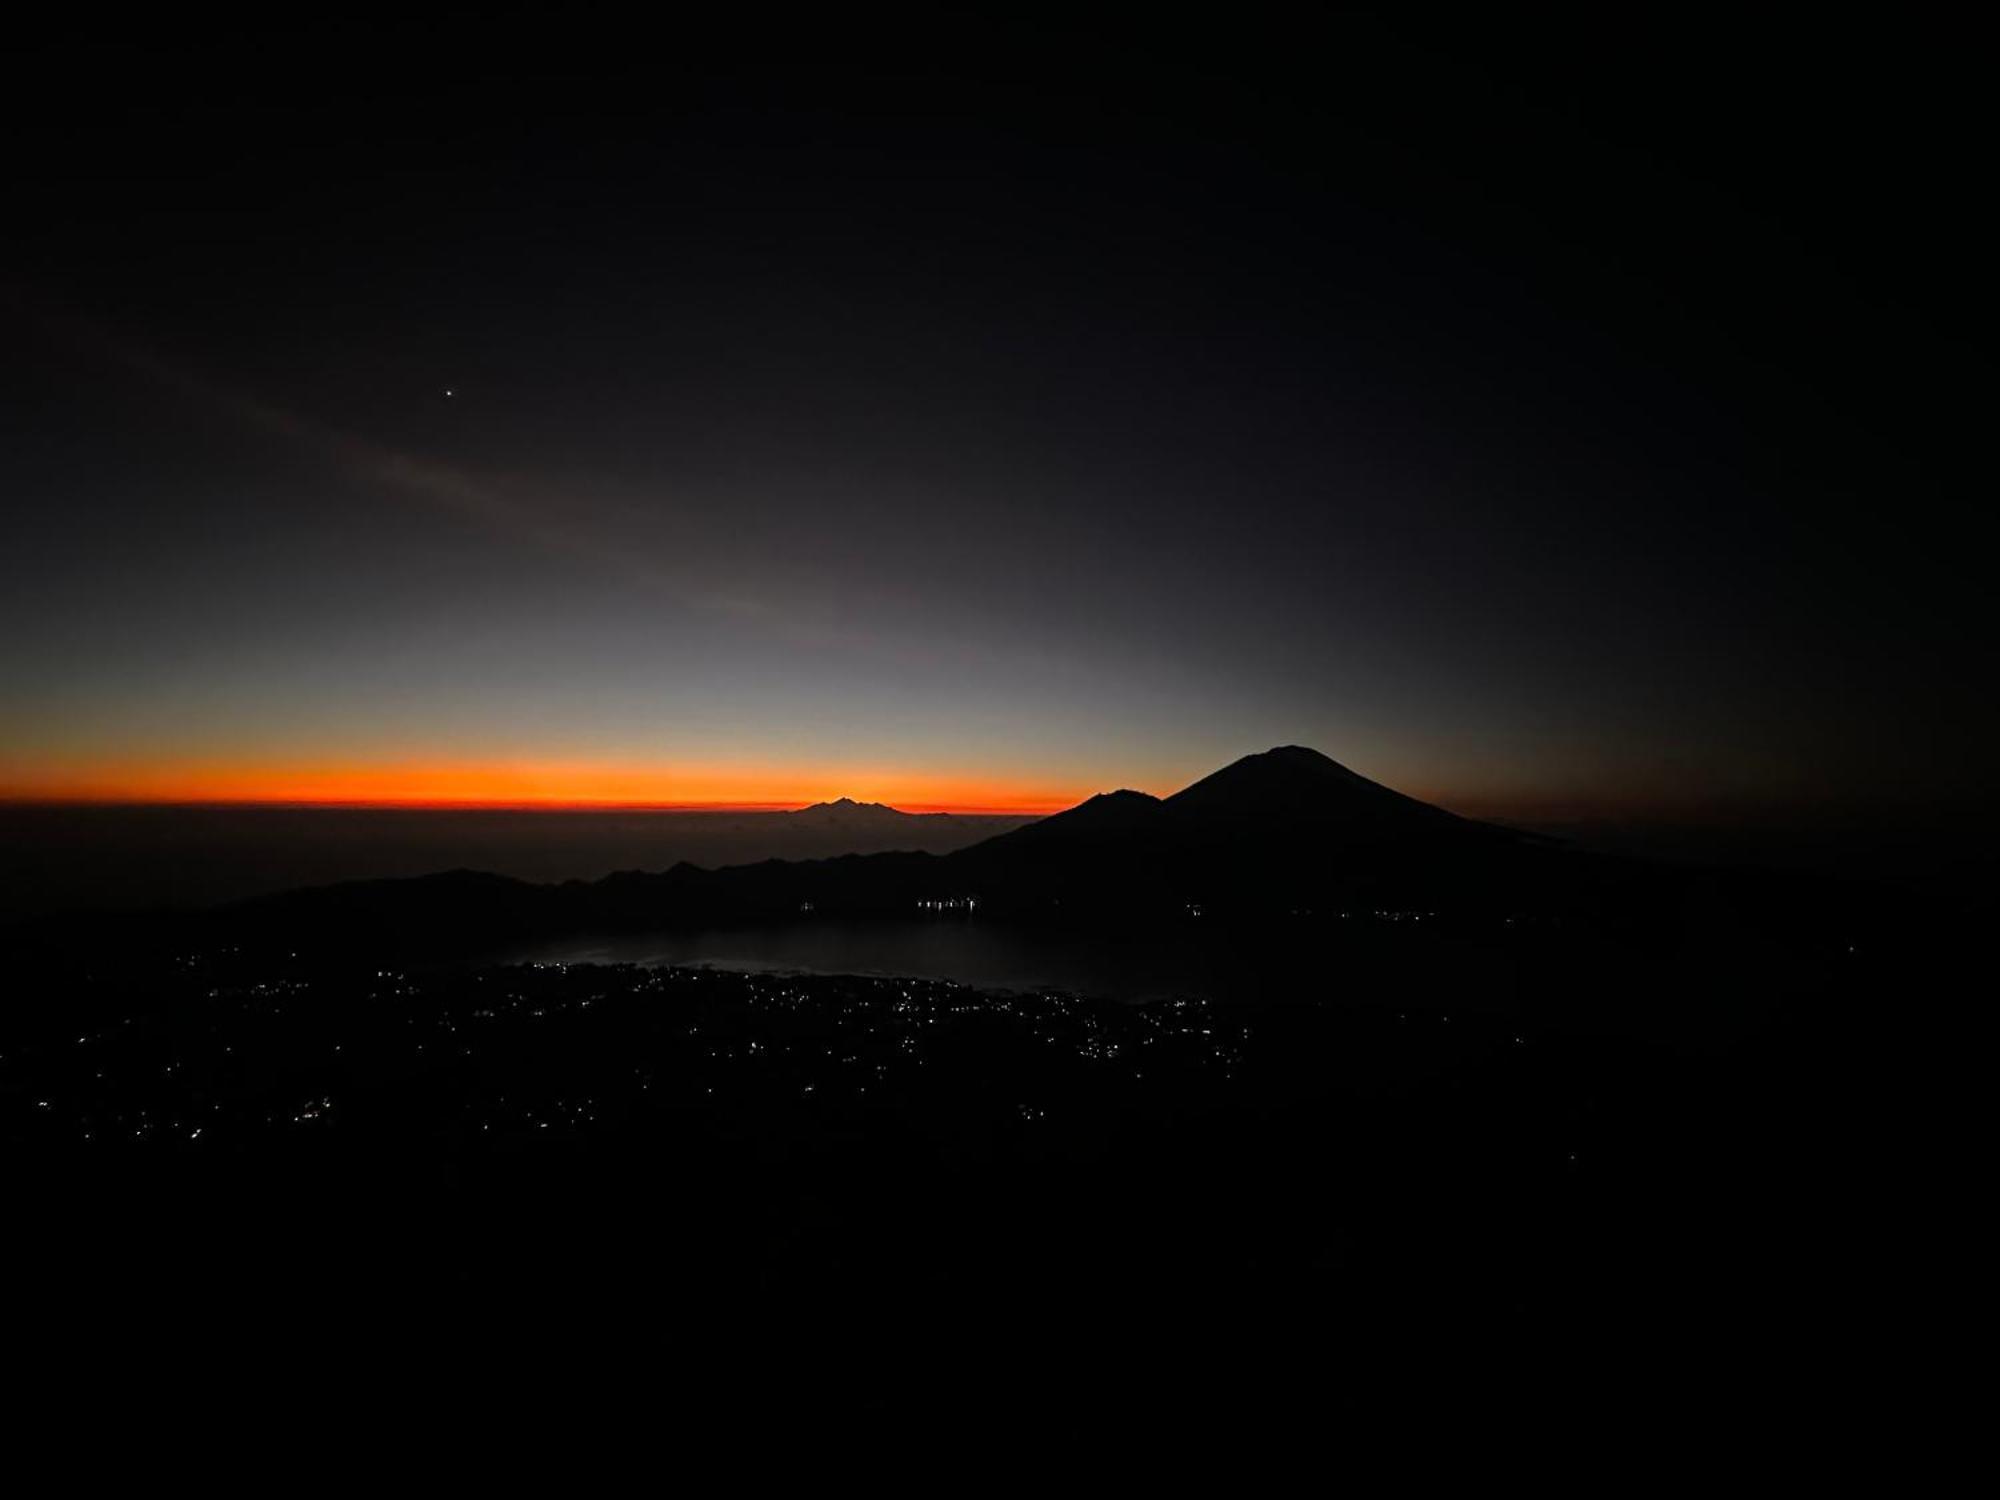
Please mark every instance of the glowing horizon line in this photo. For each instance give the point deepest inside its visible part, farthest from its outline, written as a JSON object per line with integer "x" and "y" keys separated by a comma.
{"x": 521, "y": 804}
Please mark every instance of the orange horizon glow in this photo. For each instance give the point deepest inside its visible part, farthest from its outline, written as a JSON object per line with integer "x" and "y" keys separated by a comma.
{"x": 720, "y": 787}
{"x": 535, "y": 786}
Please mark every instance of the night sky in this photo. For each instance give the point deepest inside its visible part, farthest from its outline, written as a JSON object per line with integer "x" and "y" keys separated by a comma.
{"x": 1537, "y": 417}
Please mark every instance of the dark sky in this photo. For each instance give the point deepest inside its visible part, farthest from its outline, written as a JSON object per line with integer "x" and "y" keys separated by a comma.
{"x": 1535, "y": 416}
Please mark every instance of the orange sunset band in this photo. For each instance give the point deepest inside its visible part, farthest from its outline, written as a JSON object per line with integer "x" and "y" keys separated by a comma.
{"x": 533, "y": 784}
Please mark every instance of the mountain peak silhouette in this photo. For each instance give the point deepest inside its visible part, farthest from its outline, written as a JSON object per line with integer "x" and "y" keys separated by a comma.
{"x": 849, "y": 805}
{"x": 1295, "y": 782}
{"x": 1108, "y": 814}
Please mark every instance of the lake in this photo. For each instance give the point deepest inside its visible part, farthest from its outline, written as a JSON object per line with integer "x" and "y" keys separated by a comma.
{"x": 1215, "y": 961}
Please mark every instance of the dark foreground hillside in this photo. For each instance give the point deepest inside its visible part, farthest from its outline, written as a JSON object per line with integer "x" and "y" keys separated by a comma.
{"x": 893, "y": 1196}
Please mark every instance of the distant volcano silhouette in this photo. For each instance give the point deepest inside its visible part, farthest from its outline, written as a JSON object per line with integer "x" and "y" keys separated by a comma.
{"x": 847, "y": 806}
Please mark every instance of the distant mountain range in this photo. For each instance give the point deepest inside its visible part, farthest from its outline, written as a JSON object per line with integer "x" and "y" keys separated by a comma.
{"x": 134, "y": 858}
{"x": 1286, "y": 831}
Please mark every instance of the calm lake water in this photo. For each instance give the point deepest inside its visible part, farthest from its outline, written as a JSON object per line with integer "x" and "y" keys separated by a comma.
{"x": 1214, "y": 962}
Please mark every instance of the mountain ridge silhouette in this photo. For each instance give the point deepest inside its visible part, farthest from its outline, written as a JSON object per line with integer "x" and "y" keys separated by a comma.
{"x": 1287, "y": 830}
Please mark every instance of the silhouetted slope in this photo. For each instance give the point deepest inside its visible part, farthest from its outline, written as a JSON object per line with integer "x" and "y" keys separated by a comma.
{"x": 1300, "y": 785}
{"x": 1118, "y": 849}
{"x": 1287, "y": 828}
{"x": 1108, "y": 814}
{"x": 772, "y": 889}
